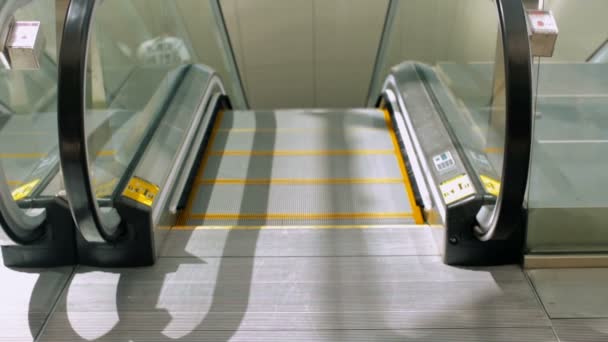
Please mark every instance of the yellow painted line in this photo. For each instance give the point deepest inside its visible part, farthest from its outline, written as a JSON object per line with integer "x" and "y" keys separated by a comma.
{"x": 299, "y": 216}
{"x": 14, "y": 182}
{"x": 406, "y": 179}
{"x": 296, "y": 130}
{"x": 300, "y": 181}
{"x": 494, "y": 150}
{"x": 199, "y": 174}
{"x": 107, "y": 153}
{"x": 300, "y": 152}
{"x": 324, "y": 226}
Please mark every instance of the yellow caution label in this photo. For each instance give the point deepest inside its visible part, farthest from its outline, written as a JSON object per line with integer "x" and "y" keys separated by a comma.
{"x": 25, "y": 190}
{"x": 456, "y": 189}
{"x": 491, "y": 185}
{"x": 141, "y": 191}
{"x": 105, "y": 189}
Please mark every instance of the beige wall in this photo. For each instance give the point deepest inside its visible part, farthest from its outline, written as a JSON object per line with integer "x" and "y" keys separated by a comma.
{"x": 321, "y": 53}
{"x": 305, "y": 53}
{"x": 582, "y": 28}
{"x": 432, "y": 31}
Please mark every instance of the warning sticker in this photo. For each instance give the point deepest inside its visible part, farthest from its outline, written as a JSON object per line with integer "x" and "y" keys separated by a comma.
{"x": 141, "y": 191}
{"x": 491, "y": 185}
{"x": 456, "y": 189}
{"x": 444, "y": 162}
{"x": 542, "y": 22}
{"x": 25, "y": 190}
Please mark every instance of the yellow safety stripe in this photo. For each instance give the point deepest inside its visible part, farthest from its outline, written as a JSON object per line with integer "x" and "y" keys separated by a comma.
{"x": 315, "y": 226}
{"x": 494, "y": 150}
{"x": 108, "y": 153}
{"x": 300, "y": 181}
{"x": 406, "y": 179}
{"x": 300, "y": 152}
{"x": 300, "y": 216}
{"x": 199, "y": 174}
{"x": 294, "y": 130}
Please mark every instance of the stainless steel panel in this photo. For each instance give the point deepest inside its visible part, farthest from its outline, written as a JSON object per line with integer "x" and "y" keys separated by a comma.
{"x": 161, "y": 152}
{"x": 180, "y": 296}
{"x": 430, "y": 130}
{"x": 558, "y": 230}
{"x": 539, "y": 261}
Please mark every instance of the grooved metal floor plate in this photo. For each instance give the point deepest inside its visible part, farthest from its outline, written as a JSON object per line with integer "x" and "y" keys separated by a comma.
{"x": 301, "y": 167}
{"x": 305, "y": 199}
{"x": 417, "y": 335}
{"x": 26, "y": 299}
{"x": 277, "y": 242}
{"x": 345, "y": 139}
{"x": 311, "y": 119}
{"x": 296, "y": 299}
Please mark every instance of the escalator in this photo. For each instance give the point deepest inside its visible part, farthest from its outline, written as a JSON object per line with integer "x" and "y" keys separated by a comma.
{"x": 37, "y": 225}
{"x": 444, "y": 142}
{"x": 314, "y": 168}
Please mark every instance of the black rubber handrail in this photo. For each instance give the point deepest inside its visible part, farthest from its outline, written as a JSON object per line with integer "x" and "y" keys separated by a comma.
{"x": 499, "y": 221}
{"x": 94, "y": 225}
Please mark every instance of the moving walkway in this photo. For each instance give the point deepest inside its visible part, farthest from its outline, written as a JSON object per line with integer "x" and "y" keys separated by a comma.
{"x": 442, "y": 146}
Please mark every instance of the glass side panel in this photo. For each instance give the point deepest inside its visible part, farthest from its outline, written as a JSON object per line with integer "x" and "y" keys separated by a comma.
{"x": 567, "y": 192}
{"x": 458, "y": 48}
{"x": 141, "y": 53}
{"x": 28, "y": 101}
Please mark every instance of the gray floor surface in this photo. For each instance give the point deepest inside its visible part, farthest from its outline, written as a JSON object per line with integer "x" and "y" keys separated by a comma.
{"x": 375, "y": 284}
{"x": 576, "y": 300}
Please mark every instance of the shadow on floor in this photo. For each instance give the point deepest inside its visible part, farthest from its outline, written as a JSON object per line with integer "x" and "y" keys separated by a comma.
{"x": 352, "y": 298}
